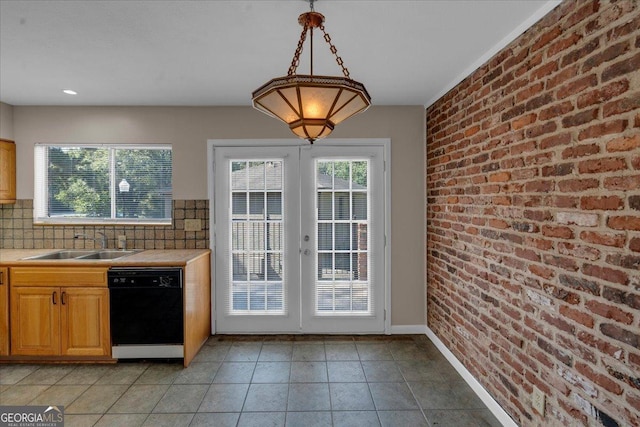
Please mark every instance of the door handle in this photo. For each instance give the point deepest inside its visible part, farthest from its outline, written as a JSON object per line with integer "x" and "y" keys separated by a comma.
{"x": 62, "y": 298}
{"x": 54, "y": 297}
{"x": 306, "y": 252}
{"x": 1, "y": 277}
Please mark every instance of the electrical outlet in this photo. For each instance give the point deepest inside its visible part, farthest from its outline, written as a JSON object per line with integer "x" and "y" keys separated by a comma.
{"x": 192, "y": 225}
{"x": 122, "y": 242}
{"x": 537, "y": 400}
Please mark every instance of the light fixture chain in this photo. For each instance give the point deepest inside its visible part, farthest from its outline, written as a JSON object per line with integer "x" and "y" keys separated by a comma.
{"x": 334, "y": 50}
{"x": 296, "y": 56}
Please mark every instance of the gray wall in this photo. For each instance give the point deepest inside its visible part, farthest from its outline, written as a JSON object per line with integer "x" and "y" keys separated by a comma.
{"x": 189, "y": 128}
{"x": 6, "y": 121}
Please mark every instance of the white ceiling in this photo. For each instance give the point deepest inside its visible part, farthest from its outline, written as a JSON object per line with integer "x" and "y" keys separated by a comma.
{"x": 162, "y": 52}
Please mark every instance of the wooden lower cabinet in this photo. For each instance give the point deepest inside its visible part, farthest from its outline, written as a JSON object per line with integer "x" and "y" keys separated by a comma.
{"x": 4, "y": 311}
{"x": 58, "y": 320}
{"x": 84, "y": 322}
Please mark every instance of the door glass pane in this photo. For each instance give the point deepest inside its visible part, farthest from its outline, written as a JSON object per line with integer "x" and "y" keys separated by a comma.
{"x": 257, "y": 230}
{"x": 342, "y": 285}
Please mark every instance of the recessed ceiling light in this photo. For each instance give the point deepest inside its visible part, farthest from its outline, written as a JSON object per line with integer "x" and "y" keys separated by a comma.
{"x": 70, "y": 92}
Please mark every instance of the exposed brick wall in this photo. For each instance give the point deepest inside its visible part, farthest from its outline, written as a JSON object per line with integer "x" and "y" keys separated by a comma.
{"x": 533, "y": 218}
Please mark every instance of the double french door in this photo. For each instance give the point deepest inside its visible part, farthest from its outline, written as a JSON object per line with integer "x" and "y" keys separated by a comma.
{"x": 299, "y": 239}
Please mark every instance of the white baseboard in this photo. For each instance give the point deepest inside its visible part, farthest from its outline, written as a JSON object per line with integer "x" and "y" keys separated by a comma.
{"x": 483, "y": 394}
{"x": 408, "y": 329}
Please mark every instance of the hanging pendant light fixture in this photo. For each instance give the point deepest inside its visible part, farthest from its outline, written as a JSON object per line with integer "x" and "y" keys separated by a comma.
{"x": 312, "y": 105}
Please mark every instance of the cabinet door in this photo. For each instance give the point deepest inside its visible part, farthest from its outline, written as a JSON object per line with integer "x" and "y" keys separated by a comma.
{"x": 7, "y": 171}
{"x": 35, "y": 321}
{"x": 4, "y": 311}
{"x": 84, "y": 322}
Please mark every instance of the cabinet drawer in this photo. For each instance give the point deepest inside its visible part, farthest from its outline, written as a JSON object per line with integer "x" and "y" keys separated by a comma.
{"x": 58, "y": 276}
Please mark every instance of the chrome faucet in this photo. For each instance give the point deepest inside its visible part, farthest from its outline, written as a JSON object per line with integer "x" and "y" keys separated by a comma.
{"x": 102, "y": 241}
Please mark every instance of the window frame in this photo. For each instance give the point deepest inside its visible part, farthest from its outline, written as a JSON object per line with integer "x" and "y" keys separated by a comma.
{"x": 41, "y": 186}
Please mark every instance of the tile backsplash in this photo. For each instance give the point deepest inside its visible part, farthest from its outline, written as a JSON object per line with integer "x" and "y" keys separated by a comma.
{"x": 17, "y": 230}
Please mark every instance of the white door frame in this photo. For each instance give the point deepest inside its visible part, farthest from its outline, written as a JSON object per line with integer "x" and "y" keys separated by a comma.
{"x": 212, "y": 144}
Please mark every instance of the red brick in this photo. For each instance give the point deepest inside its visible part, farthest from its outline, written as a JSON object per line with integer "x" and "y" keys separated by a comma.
{"x": 580, "y": 118}
{"x": 578, "y": 251}
{"x": 539, "y": 186}
{"x": 541, "y": 129}
{"x": 574, "y": 185}
{"x": 601, "y": 129}
{"x": 603, "y": 380}
{"x": 609, "y": 312}
{"x": 576, "y": 54}
{"x": 563, "y": 44}
{"x": 523, "y": 121}
{"x": 544, "y": 70}
{"x": 500, "y": 177}
{"x": 558, "y": 232}
{"x": 603, "y": 94}
{"x": 555, "y": 140}
{"x": 620, "y": 334}
{"x": 610, "y": 164}
{"x": 611, "y": 203}
{"x": 558, "y": 169}
{"x": 580, "y": 151}
{"x": 577, "y": 86}
{"x": 634, "y": 244}
{"x": 556, "y": 110}
{"x": 605, "y": 346}
{"x": 529, "y": 92}
{"x": 622, "y": 182}
{"x": 578, "y": 316}
{"x": 546, "y": 38}
{"x": 624, "y": 223}
{"x": 498, "y": 223}
{"x": 606, "y": 239}
{"x": 527, "y": 254}
{"x": 626, "y": 66}
{"x": 622, "y": 105}
{"x": 543, "y": 272}
{"x": 607, "y": 55}
{"x": 624, "y": 143}
{"x": 606, "y": 273}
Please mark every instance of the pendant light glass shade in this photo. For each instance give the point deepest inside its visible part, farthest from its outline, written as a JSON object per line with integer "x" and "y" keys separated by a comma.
{"x": 311, "y": 105}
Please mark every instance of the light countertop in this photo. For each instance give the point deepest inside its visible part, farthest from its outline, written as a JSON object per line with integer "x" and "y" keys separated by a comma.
{"x": 144, "y": 258}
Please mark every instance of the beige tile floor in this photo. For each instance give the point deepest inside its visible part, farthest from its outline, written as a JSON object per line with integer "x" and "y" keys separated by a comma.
{"x": 399, "y": 380}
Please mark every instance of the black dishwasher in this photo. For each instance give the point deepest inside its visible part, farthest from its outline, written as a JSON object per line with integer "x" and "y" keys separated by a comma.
{"x": 146, "y": 312}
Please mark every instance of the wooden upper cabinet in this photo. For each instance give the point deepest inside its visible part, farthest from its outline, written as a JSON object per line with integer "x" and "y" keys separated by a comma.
{"x": 7, "y": 171}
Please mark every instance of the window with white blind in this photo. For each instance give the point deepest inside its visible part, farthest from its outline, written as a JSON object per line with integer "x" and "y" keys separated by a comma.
{"x": 88, "y": 184}
{"x": 257, "y": 236}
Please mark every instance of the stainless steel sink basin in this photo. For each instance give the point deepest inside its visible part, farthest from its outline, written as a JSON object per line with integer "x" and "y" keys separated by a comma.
{"x": 62, "y": 255}
{"x": 107, "y": 254}
{"x": 88, "y": 255}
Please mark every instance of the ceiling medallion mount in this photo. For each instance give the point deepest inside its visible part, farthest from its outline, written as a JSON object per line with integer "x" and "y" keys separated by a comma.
{"x": 312, "y": 105}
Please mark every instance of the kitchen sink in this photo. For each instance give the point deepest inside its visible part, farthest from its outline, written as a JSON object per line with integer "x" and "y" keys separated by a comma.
{"x": 62, "y": 255}
{"x": 107, "y": 254}
{"x": 88, "y": 255}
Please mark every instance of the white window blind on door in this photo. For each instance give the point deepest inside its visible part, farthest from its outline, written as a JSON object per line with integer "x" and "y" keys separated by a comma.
{"x": 257, "y": 237}
{"x": 343, "y": 280}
